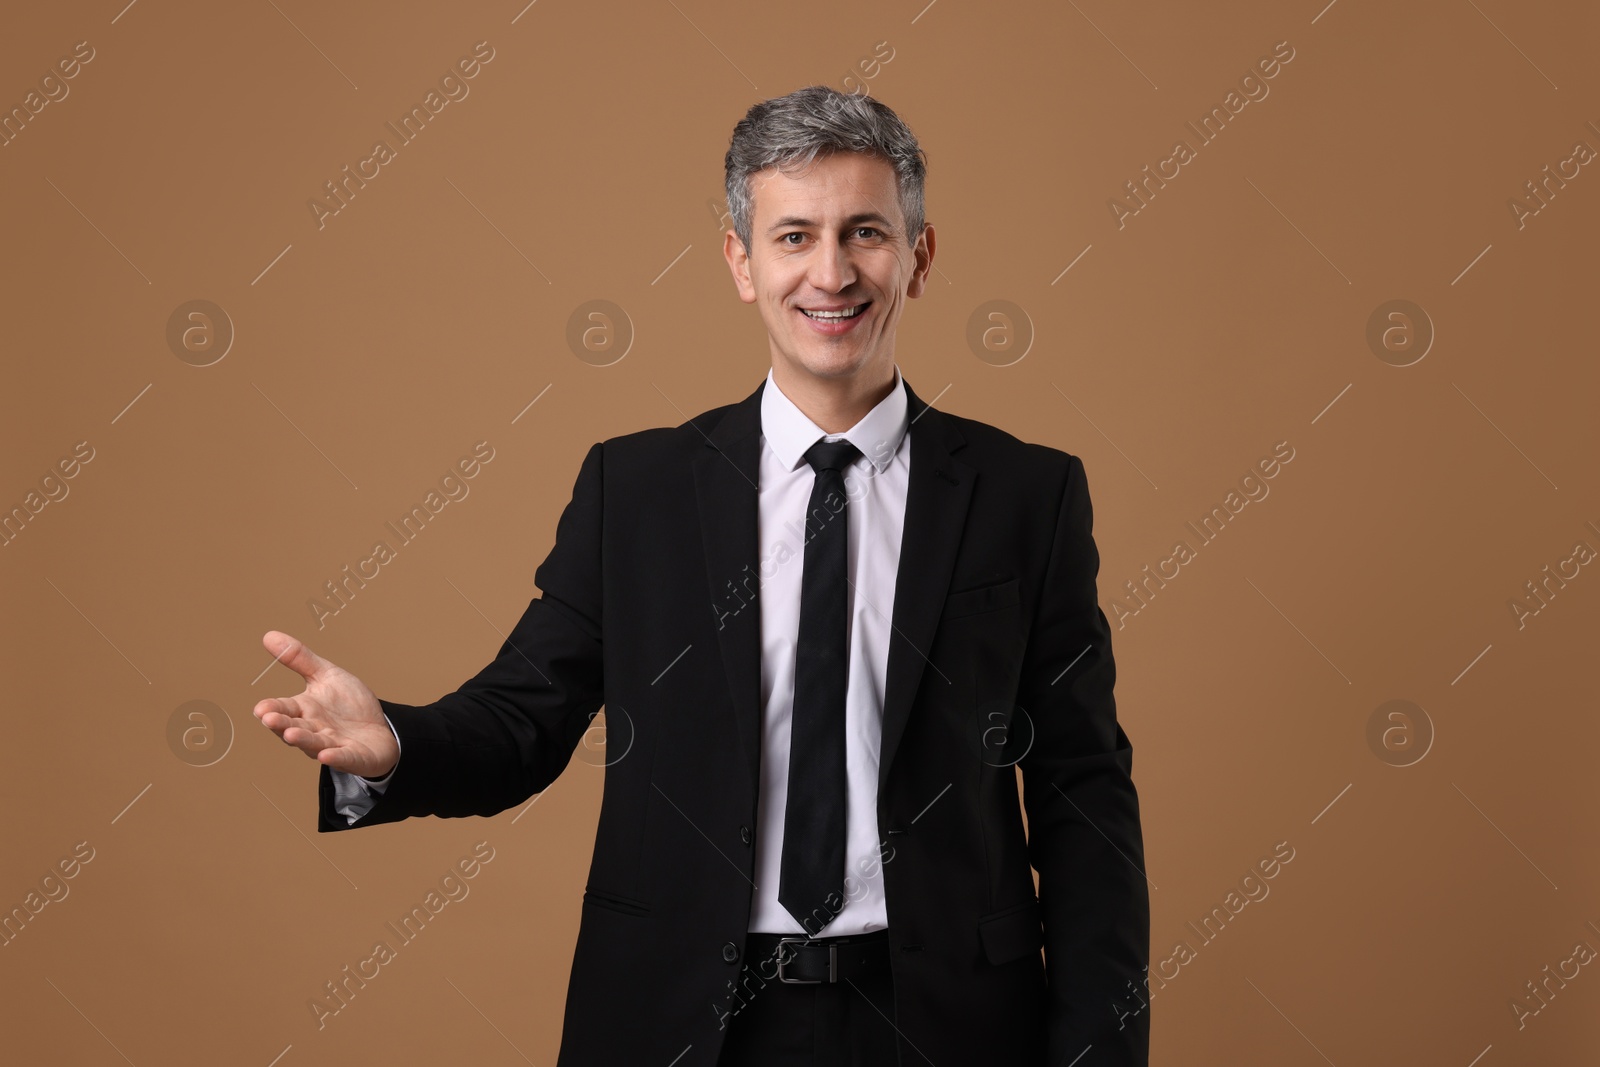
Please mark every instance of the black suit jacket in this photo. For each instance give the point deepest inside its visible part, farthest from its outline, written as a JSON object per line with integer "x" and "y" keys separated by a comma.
{"x": 1000, "y": 657}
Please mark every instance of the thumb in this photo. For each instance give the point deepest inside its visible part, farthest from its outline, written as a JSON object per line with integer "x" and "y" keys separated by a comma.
{"x": 293, "y": 653}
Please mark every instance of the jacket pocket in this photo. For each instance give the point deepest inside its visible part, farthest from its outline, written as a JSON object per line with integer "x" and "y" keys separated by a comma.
{"x": 615, "y": 902}
{"x": 984, "y": 598}
{"x": 1012, "y": 933}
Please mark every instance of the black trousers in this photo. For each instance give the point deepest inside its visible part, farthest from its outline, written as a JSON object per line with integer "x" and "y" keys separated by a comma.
{"x": 849, "y": 1023}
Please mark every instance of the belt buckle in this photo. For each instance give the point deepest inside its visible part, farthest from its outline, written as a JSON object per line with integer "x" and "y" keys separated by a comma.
{"x": 833, "y": 962}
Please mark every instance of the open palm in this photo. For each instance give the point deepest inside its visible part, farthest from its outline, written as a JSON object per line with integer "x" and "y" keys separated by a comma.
{"x": 336, "y": 721}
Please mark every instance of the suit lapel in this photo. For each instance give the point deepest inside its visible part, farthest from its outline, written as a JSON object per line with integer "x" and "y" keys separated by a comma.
{"x": 936, "y": 512}
{"x": 939, "y": 491}
{"x": 725, "y": 481}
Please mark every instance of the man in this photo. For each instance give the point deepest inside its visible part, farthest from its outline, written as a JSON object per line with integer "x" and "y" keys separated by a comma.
{"x": 810, "y": 848}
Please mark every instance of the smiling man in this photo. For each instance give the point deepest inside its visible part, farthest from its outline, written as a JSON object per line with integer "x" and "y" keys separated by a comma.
{"x": 810, "y": 848}
{"x": 830, "y": 257}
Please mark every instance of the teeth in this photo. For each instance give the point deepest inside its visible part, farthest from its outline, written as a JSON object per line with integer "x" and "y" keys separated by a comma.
{"x": 846, "y": 314}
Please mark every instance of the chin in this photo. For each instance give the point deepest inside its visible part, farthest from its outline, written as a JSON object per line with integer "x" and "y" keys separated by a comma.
{"x": 841, "y": 367}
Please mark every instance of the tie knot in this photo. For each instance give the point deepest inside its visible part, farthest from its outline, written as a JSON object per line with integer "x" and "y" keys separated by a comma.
{"x": 831, "y": 455}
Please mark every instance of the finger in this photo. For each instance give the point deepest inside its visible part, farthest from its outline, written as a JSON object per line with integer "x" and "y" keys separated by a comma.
{"x": 278, "y": 723}
{"x": 279, "y": 713}
{"x": 340, "y": 759}
{"x": 273, "y": 705}
{"x": 310, "y": 742}
{"x": 294, "y": 654}
{"x": 296, "y": 735}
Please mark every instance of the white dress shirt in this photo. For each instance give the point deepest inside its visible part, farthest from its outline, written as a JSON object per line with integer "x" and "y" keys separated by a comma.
{"x": 875, "y": 484}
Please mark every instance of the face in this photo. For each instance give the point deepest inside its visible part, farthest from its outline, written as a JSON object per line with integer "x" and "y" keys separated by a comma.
{"x": 830, "y": 238}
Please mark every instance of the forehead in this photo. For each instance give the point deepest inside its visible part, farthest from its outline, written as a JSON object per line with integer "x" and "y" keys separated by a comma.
{"x": 837, "y": 184}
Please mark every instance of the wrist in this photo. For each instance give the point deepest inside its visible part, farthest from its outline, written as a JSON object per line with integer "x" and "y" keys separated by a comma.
{"x": 379, "y": 779}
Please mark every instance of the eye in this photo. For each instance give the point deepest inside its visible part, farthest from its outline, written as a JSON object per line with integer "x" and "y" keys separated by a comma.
{"x": 785, "y": 237}
{"x": 868, "y": 229}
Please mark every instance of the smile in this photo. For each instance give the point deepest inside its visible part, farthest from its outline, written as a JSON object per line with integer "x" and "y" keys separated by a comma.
{"x": 834, "y": 316}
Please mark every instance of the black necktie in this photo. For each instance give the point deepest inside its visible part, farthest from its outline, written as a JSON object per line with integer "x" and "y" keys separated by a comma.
{"x": 811, "y": 883}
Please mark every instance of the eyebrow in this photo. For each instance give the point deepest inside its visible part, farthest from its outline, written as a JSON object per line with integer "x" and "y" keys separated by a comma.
{"x": 854, "y": 220}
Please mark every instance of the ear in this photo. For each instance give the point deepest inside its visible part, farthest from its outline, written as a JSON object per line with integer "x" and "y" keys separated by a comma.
{"x": 738, "y": 258}
{"x": 922, "y": 251}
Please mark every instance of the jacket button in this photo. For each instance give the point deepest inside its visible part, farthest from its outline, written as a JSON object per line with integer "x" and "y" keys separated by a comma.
{"x": 744, "y": 834}
{"x": 730, "y": 952}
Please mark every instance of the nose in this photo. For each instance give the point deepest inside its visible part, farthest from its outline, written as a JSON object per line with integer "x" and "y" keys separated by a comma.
{"x": 831, "y": 269}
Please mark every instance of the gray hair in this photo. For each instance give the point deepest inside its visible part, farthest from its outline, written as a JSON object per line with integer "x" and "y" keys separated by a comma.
{"x": 791, "y": 131}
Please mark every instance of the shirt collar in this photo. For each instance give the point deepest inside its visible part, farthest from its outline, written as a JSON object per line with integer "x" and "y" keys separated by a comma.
{"x": 789, "y": 432}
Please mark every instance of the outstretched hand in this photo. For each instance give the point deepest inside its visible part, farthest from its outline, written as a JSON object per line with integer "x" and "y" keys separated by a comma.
{"x": 336, "y": 720}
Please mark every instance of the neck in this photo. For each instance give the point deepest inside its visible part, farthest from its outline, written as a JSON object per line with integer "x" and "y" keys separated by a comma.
{"x": 835, "y": 405}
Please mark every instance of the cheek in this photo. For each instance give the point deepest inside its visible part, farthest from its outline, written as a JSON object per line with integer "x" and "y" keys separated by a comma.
{"x": 773, "y": 286}
{"x": 894, "y": 297}
{"x": 893, "y": 281}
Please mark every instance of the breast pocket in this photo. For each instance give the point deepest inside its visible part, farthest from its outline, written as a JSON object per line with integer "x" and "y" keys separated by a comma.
{"x": 977, "y": 648}
{"x": 984, "y": 598}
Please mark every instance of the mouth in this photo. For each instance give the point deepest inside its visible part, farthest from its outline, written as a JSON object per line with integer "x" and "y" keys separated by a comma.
{"x": 835, "y": 320}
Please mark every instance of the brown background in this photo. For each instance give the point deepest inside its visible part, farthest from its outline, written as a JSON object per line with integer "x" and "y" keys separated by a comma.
{"x": 1228, "y": 315}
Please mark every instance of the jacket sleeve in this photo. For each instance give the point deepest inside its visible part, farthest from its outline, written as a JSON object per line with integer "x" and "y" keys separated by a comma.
{"x": 1084, "y": 837}
{"x": 510, "y": 730}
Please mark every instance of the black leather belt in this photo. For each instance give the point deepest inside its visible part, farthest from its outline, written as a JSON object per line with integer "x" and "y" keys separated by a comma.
{"x": 810, "y": 960}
